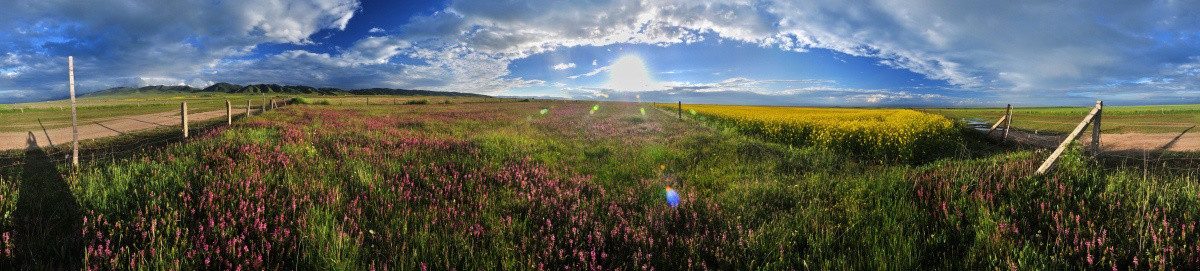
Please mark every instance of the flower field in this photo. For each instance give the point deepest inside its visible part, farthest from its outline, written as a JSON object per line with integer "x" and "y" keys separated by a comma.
{"x": 578, "y": 185}
{"x": 888, "y": 134}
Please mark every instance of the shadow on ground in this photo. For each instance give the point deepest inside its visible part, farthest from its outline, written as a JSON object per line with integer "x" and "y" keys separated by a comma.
{"x": 47, "y": 220}
{"x": 1175, "y": 140}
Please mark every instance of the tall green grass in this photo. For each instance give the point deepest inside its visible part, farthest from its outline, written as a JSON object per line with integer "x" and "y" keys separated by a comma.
{"x": 506, "y": 186}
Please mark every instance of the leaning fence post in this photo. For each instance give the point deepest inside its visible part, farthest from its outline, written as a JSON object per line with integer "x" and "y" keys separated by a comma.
{"x": 1071, "y": 137}
{"x": 998, "y": 122}
{"x": 1007, "y": 122}
{"x": 228, "y": 112}
{"x": 1096, "y": 128}
{"x": 183, "y": 118}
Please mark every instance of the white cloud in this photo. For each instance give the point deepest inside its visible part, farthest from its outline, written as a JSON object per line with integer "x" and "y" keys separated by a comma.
{"x": 748, "y": 91}
{"x": 113, "y": 40}
{"x": 1019, "y": 49}
{"x": 1011, "y": 47}
{"x": 591, "y": 73}
{"x": 376, "y": 30}
{"x": 563, "y": 66}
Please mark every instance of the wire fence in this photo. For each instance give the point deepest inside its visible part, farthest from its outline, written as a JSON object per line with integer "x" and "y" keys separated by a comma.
{"x": 1152, "y": 158}
{"x": 130, "y": 144}
{"x": 125, "y": 145}
{"x": 1175, "y": 163}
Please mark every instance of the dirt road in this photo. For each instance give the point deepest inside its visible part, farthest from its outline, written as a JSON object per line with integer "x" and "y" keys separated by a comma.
{"x": 1188, "y": 140}
{"x": 99, "y": 129}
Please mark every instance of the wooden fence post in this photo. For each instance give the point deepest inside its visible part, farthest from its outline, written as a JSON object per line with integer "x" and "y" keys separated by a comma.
{"x": 183, "y": 118}
{"x": 1096, "y": 128}
{"x": 1071, "y": 137}
{"x": 228, "y": 112}
{"x": 247, "y": 108}
{"x": 74, "y": 124}
{"x": 997, "y": 124}
{"x": 680, "y": 109}
{"x": 1007, "y": 122}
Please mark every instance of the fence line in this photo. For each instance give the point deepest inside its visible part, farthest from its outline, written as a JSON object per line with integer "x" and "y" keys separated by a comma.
{"x": 1191, "y": 164}
{"x": 158, "y": 136}
{"x": 1092, "y": 119}
{"x": 1188, "y": 163}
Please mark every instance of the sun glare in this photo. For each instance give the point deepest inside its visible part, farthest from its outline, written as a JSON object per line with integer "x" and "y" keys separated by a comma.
{"x": 629, "y": 73}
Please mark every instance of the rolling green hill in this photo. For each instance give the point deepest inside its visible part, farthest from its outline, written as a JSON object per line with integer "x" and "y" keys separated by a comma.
{"x": 222, "y": 87}
{"x": 144, "y": 90}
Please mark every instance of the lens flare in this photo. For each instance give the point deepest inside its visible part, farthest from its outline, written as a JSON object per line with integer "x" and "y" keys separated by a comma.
{"x": 544, "y": 110}
{"x": 643, "y": 109}
{"x": 672, "y": 197}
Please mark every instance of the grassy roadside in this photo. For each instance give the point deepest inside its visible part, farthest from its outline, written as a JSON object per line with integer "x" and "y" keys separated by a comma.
{"x": 1117, "y": 119}
{"x": 57, "y": 114}
{"x": 549, "y": 184}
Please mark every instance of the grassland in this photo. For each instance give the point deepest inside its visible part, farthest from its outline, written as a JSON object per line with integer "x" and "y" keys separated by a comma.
{"x": 552, "y": 184}
{"x": 56, "y": 114}
{"x": 1117, "y": 119}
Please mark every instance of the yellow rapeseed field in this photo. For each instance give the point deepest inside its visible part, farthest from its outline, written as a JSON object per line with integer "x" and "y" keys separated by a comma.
{"x": 888, "y": 134}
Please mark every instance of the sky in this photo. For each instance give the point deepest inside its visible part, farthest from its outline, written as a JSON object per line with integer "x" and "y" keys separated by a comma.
{"x": 764, "y": 52}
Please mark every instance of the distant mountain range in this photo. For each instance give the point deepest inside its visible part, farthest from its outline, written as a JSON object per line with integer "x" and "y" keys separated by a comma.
{"x": 274, "y": 89}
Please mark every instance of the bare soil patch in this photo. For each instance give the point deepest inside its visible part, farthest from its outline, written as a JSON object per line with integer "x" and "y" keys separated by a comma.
{"x": 99, "y": 129}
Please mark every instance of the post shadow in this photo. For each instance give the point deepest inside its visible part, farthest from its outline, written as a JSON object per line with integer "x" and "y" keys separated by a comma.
{"x": 44, "y": 131}
{"x": 1167, "y": 146}
{"x": 109, "y": 128}
{"x": 48, "y": 220}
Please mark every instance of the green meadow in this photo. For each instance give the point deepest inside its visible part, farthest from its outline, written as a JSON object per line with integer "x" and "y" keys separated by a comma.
{"x": 536, "y": 184}
{"x": 1117, "y": 119}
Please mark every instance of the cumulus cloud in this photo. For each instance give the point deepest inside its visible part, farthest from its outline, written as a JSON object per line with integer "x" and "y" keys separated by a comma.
{"x": 563, "y": 66}
{"x": 808, "y": 96}
{"x": 376, "y": 30}
{"x": 1027, "y": 48}
{"x": 170, "y": 41}
{"x": 1078, "y": 49}
{"x": 804, "y": 92}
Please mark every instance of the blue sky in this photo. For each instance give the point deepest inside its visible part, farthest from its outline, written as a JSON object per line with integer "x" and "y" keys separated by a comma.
{"x": 774, "y": 52}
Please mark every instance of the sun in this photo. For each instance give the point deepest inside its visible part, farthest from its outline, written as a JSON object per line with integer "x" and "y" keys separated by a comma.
{"x": 629, "y": 73}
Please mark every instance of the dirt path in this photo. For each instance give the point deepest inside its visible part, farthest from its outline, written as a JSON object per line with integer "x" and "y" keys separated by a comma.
{"x": 98, "y": 129}
{"x": 1188, "y": 140}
